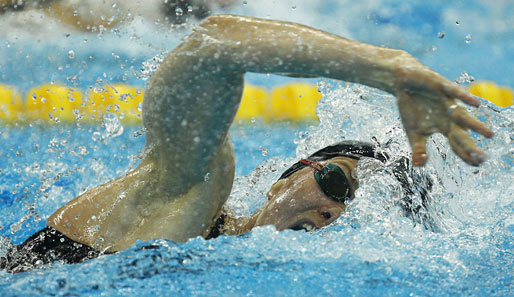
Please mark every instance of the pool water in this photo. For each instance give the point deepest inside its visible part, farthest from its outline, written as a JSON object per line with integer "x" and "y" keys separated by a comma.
{"x": 371, "y": 250}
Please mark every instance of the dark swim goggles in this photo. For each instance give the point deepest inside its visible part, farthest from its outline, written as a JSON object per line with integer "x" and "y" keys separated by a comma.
{"x": 331, "y": 179}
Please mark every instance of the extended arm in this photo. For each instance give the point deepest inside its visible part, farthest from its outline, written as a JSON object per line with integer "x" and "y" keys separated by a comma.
{"x": 194, "y": 95}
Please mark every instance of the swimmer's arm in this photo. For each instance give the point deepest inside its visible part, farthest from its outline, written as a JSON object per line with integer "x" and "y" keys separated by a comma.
{"x": 194, "y": 95}
{"x": 427, "y": 101}
{"x": 269, "y": 46}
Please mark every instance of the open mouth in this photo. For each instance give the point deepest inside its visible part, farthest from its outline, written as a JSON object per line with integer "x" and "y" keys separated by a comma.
{"x": 304, "y": 224}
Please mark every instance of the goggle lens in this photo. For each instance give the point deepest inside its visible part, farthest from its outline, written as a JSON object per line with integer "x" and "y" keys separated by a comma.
{"x": 331, "y": 179}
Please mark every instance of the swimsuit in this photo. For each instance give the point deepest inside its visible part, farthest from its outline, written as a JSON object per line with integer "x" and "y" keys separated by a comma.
{"x": 217, "y": 229}
{"x": 43, "y": 247}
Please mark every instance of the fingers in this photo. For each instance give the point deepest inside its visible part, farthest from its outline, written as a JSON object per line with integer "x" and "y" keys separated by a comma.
{"x": 462, "y": 118}
{"x": 418, "y": 144}
{"x": 455, "y": 91}
{"x": 464, "y": 146}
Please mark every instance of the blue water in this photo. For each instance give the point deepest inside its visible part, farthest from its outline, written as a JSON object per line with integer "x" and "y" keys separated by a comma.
{"x": 372, "y": 250}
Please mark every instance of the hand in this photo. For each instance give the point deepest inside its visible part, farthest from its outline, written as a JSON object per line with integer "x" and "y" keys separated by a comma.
{"x": 429, "y": 103}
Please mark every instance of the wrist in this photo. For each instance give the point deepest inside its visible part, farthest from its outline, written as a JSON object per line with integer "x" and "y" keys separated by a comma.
{"x": 387, "y": 66}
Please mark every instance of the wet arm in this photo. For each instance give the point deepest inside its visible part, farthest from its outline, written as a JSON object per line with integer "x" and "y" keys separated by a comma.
{"x": 427, "y": 101}
{"x": 193, "y": 97}
{"x": 269, "y": 46}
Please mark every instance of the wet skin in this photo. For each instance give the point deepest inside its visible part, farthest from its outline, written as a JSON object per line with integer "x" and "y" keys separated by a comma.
{"x": 297, "y": 202}
{"x": 168, "y": 196}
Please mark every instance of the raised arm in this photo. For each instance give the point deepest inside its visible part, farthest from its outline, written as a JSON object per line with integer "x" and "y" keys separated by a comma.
{"x": 194, "y": 95}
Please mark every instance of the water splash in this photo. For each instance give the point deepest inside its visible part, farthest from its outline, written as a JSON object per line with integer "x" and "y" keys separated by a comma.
{"x": 151, "y": 65}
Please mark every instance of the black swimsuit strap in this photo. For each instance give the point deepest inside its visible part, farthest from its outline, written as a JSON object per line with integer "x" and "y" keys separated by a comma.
{"x": 216, "y": 230}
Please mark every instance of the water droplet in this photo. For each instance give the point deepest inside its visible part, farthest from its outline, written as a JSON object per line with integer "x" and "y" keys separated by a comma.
{"x": 75, "y": 13}
{"x": 81, "y": 150}
{"x": 71, "y": 54}
{"x": 140, "y": 106}
{"x": 464, "y": 78}
{"x": 179, "y": 11}
{"x": 294, "y": 7}
{"x": 468, "y": 38}
{"x": 245, "y": 2}
{"x": 150, "y": 66}
{"x": 190, "y": 8}
{"x": 441, "y": 35}
{"x": 112, "y": 124}
{"x": 138, "y": 133}
{"x": 263, "y": 150}
{"x": 113, "y": 108}
{"x": 457, "y": 23}
{"x": 207, "y": 177}
{"x": 97, "y": 136}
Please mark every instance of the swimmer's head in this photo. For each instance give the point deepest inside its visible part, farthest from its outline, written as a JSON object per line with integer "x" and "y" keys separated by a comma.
{"x": 311, "y": 193}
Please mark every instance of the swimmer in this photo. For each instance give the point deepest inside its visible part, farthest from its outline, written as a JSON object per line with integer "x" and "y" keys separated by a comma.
{"x": 190, "y": 104}
{"x": 91, "y": 15}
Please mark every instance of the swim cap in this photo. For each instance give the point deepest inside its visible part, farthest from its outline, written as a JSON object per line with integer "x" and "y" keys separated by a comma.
{"x": 346, "y": 148}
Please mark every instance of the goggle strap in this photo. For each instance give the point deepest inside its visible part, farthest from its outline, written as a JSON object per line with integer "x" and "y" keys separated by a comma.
{"x": 313, "y": 164}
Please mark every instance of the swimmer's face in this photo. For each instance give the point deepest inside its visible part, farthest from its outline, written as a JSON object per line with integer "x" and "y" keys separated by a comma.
{"x": 297, "y": 202}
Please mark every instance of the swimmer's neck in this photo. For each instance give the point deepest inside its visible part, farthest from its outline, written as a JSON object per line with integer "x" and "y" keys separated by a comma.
{"x": 240, "y": 225}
